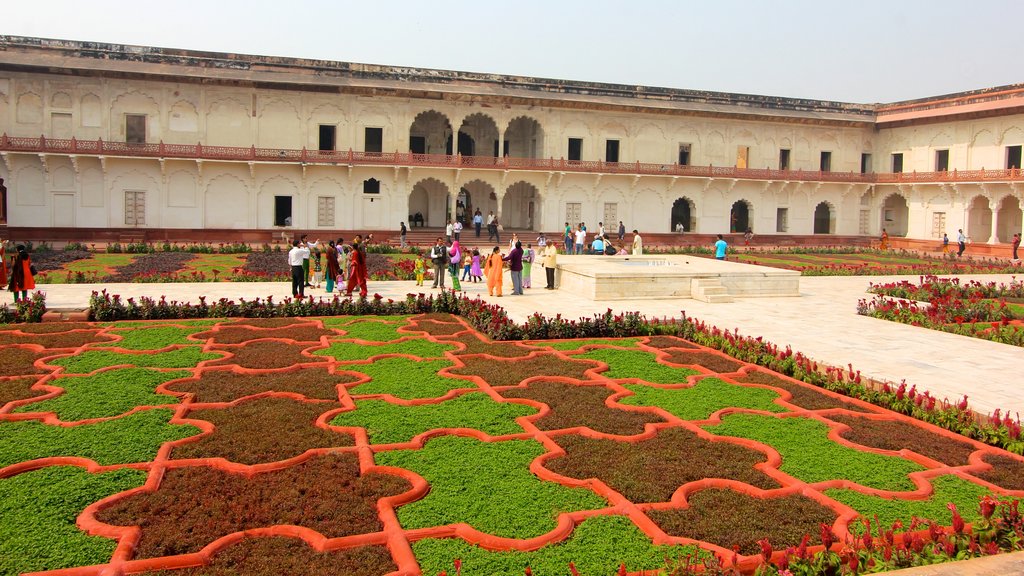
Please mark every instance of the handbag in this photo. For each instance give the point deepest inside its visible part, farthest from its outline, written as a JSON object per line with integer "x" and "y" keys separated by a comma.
{"x": 32, "y": 269}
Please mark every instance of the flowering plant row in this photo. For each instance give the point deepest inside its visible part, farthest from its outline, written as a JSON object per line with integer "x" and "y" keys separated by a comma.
{"x": 24, "y": 311}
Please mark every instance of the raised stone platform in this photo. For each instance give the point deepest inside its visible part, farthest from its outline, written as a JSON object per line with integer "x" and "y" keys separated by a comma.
{"x": 669, "y": 276}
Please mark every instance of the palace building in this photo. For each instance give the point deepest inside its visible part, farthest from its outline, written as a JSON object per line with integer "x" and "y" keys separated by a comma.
{"x": 154, "y": 141}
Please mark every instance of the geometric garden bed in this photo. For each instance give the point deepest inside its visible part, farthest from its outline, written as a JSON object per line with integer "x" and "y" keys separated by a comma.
{"x": 380, "y": 445}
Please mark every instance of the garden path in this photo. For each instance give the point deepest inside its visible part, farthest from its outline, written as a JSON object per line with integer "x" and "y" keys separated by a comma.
{"x": 822, "y": 323}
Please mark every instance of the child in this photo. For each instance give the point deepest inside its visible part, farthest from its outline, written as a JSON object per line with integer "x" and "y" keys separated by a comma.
{"x": 467, "y": 263}
{"x": 418, "y": 268}
{"x": 474, "y": 270}
{"x": 318, "y": 269}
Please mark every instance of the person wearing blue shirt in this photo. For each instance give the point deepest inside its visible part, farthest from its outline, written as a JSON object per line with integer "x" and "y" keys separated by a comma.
{"x": 597, "y": 247}
{"x": 720, "y": 248}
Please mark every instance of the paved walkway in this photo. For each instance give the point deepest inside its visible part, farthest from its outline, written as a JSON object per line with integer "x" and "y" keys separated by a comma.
{"x": 822, "y": 323}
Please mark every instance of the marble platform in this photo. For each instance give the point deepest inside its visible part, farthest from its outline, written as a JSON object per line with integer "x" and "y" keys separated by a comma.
{"x": 669, "y": 276}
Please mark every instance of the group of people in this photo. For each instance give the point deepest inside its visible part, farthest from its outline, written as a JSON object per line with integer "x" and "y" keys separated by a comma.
{"x": 20, "y": 277}
{"x": 331, "y": 263}
{"x": 447, "y": 256}
{"x": 575, "y": 240}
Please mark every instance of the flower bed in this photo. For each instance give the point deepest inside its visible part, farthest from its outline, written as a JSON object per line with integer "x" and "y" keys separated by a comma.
{"x": 980, "y": 310}
{"x": 409, "y": 450}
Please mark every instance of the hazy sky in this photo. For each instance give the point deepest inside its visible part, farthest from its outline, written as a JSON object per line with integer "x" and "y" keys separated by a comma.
{"x": 856, "y": 51}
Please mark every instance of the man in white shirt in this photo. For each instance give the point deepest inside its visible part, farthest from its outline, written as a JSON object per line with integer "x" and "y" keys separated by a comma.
{"x": 581, "y": 239}
{"x": 457, "y": 229}
{"x": 638, "y": 244}
{"x": 296, "y": 255}
{"x": 448, "y": 230}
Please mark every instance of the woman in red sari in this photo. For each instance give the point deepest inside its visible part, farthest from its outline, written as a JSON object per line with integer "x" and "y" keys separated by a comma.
{"x": 357, "y": 274}
{"x": 21, "y": 274}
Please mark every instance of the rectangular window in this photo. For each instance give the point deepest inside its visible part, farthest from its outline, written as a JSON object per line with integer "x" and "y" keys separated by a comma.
{"x": 371, "y": 186}
{"x": 897, "y": 163}
{"x": 742, "y": 156}
{"x": 573, "y": 212}
{"x": 282, "y": 210}
{"x": 134, "y": 208}
{"x": 135, "y": 128}
{"x": 1013, "y": 157}
{"x": 941, "y": 160}
{"x": 782, "y": 219}
{"x": 784, "y": 159}
{"x": 325, "y": 211}
{"x": 684, "y": 154}
{"x": 865, "y": 222}
{"x": 938, "y": 224}
{"x": 611, "y": 151}
{"x": 327, "y": 133}
{"x": 575, "y": 149}
{"x": 826, "y": 162}
{"x": 865, "y": 163}
{"x": 373, "y": 140}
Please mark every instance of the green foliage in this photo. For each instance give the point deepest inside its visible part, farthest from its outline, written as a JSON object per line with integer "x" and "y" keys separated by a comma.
{"x": 343, "y": 321}
{"x": 151, "y": 323}
{"x": 948, "y": 488}
{"x": 637, "y": 364}
{"x": 106, "y": 394}
{"x": 407, "y": 379}
{"x": 96, "y": 359}
{"x": 809, "y": 455}
{"x": 705, "y": 398}
{"x": 487, "y": 485}
{"x": 597, "y": 547}
{"x": 387, "y": 423}
{"x": 373, "y": 331}
{"x": 37, "y": 517}
{"x": 348, "y": 351}
{"x": 577, "y": 344}
{"x": 134, "y": 438}
{"x": 152, "y": 337}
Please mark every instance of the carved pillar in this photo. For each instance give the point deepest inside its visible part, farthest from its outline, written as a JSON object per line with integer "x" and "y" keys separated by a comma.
{"x": 501, "y": 143}
{"x": 994, "y": 238}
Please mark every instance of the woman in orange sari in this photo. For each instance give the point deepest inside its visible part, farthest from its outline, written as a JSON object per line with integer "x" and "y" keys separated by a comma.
{"x": 21, "y": 274}
{"x": 885, "y": 240}
{"x": 493, "y": 269}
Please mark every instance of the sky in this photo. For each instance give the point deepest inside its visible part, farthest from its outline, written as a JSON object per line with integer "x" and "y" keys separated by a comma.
{"x": 862, "y": 51}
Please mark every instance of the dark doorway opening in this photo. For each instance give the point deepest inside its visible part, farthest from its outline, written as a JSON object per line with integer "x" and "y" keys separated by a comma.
{"x": 282, "y": 210}
{"x": 327, "y": 135}
{"x": 822, "y": 219}
{"x": 826, "y": 162}
{"x": 684, "y": 154}
{"x": 374, "y": 140}
{"x": 784, "y": 159}
{"x": 611, "y": 151}
{"x": 418, "y": 144}
{"x": 575, "y": 149}
{"x": 1013, "y": 157}
{"x": 681, "y": 215}
{"x": 897, "y": 163}
{"x": 941, "y": 160}
{"x": 739, "y": 217}
{"x": 865, "y": 163}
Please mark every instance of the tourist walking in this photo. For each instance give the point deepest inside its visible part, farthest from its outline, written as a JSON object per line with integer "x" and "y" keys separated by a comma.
{"x": 343, "y": 259}
{"x": 402, "y": 235}
{"x": 476, "y": 272}
{"x": 528, "y": 257}
{"x": 720, "y": 247}
{"x": 333, "y": 270}
{"x": 492, "y": 226}
{"x": 581, "y": 239}
{"x": 492, "y": 269}
{"x": 454, "y": 257}
{"x": 449, "y": 229}
{"x": 622, "y": 231}
{"x": 961, "y": 242}
{"x": 305, "y": 261}
{"x": 467, "y": 263}
{"x": 22, "y": 274}
{"x": 439, "y": 258}
{"x": 318, "y": 265}
{"x": 945, "y": 243}
{"x": 549, "y": 261}
{"x": 542, "y": 241}
{"x": 357, "y": 274}
{"x": 515, "y": 266}
{"x": 1016, "y": 245}
{"x": 457, "y": 229}
{"x": 638, "y": 244}
{"x": 296, "y": 256}
{"x": 884, "y": 245}
{"x": 418, "y": 268}
{"x": 478, "y": 220}
{"x": 567, "y": 237}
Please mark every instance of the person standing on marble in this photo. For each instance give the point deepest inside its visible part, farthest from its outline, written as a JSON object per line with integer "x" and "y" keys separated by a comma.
{"x": 515, "y": 266}
{"x": 638, "y": 244}
{"x": 332, "y": 266}
{"x": 295, "y": 264}
{"x": 3, "y": 262}
{"x": 357, "y": 277}
{"x": 476, "y": 273}
{"x": 549, "y": 262}
{"x": 439, "y": 258}
{"x": 22, "y": 277}
{"x": 492, "y": 269}
{"x": 478, "y": 220}
{"x": 622, "y": 231}
{"x": 454, "y": 257}
{"x": 720, "y": 247}
{"x": 581, "y": 239}
{"x": 568, "y": 238}
{"x": 528, "y": 258}
{"x": 402, "y": 232}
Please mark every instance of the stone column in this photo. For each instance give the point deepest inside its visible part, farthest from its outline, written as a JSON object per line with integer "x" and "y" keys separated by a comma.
{"x": 501, "y": 144}
{"x": 994, "y": 238}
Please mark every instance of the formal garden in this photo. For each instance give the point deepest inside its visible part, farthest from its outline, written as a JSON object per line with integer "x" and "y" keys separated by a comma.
{"x": 434, "y": 435}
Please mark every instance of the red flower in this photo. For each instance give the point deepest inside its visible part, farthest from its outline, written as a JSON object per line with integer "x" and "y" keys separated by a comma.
{"x": 766, "y": 550}
{"x": 958, "y": 521}
{"x": 828, "y": 537}
{"x": 988, "y": 506}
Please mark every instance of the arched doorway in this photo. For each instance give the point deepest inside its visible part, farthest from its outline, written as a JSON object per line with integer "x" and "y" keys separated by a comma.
{"x": 3, "y": 202}
{"x": 741, "y": 216}
{"x": 430, "y": 133}
{"x": 683, "y": 213}
{"x": 895, "y": 215}
{"x": 979, "y": 219}
{"x": 520, "y": 205}
{"x": 1010, "y": 218}
{"x": 478, "y": 136}
{"x": 429, "y": 199}
{"x": 824, "y": 221}
{"x": 477, "y": 195}
{"x": 524, "y": 138}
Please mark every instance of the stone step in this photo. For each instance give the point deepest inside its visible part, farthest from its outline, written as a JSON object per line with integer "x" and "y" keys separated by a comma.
{"x": 716, "y": 298}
